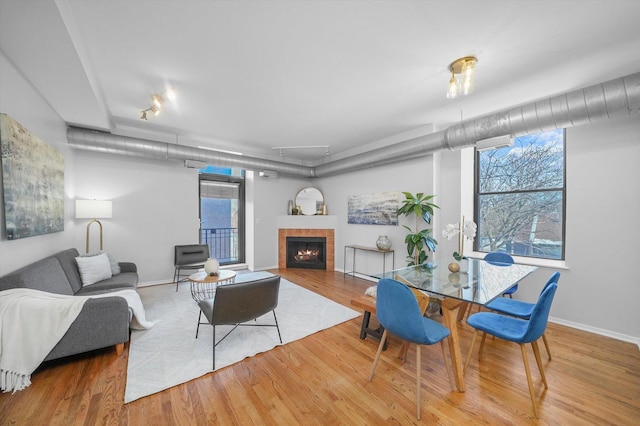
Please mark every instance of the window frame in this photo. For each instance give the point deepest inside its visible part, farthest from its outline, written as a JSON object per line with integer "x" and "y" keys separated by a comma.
{"x": 531, "y": 259}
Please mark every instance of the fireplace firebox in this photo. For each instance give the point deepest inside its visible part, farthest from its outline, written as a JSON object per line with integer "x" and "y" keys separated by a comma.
{"x": 306, "y": 252}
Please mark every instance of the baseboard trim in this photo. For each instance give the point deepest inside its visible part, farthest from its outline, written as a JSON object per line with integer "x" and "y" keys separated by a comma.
{"x": 596, "y": 330}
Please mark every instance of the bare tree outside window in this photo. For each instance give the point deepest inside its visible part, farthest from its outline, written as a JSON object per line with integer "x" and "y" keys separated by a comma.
{"x": 520, "y": 197}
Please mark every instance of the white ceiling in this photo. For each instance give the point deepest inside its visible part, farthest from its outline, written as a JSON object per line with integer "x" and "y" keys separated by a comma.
{"x": 252, "y": 75}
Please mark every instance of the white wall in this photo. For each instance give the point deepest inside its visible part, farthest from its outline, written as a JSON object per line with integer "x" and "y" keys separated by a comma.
{"x": 601, "y": 289}
{"x": 271, "y": 199}
{"x": 448, "y": 180}
{"x": 155, "y": 207}
{"x": 22, "y": 103}
{"x": 413, "y": 176}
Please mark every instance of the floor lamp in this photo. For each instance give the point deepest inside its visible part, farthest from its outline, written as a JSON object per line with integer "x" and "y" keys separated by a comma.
{"x": 93, "y": 209}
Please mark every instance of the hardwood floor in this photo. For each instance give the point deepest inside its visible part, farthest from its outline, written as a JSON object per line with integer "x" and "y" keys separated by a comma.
{"x": 322, "y": 379}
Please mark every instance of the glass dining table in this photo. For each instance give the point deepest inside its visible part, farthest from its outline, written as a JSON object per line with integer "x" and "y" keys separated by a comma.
{"x": 478, "y": 282}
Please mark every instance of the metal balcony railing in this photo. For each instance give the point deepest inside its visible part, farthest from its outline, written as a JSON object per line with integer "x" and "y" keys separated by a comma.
{"x": 222, "y": 242}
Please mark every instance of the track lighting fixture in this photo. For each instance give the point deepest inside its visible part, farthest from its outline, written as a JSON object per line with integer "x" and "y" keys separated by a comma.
{"x": 154, "y": 109}
{"x": 157, "y": 100}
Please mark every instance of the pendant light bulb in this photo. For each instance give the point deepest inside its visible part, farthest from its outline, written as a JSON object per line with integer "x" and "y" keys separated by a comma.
{"x": 452, "y": 91}
{"x": 468, "y": 71}
{"x": 157, "y": 100}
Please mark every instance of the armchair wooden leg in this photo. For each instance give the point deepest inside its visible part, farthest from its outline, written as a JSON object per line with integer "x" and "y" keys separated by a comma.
{"x": 375, "y": 360}
{"x": 536, "y": 353}
{"x": 447, "y": 366}
{"x": 546, "y": 345}
{"x": 404, "y": 348}
{"x": 484, "y": 337}
{"x": 119, "y": 349}
{"x": 529, "y": 381}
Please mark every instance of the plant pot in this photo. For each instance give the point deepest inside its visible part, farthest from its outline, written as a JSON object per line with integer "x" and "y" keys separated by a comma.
{"x": 454, "y": 267}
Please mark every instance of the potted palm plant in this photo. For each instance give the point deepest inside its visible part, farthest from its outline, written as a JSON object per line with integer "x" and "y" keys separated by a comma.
{"x": 418, "y": 240}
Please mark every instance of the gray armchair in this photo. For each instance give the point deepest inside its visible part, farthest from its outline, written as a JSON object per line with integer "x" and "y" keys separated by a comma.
{"x": 235, "y": 304}
{"x": 190, "y": 257}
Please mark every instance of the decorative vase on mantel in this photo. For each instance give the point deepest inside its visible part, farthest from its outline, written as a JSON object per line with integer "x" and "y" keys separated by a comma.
{"x": 211, "y": 266}
{"x": 383, "y": 243}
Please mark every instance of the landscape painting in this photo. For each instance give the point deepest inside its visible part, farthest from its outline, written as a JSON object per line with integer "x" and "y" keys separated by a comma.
{"x": 373, "y": 209}
{"x": 33, "y": 182}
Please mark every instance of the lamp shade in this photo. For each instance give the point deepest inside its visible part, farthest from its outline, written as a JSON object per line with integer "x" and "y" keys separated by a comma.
{"x": 93, "y": 209}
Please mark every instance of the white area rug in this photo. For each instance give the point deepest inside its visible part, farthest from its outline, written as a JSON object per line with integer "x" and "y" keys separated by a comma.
{"x": 169, "y": 354}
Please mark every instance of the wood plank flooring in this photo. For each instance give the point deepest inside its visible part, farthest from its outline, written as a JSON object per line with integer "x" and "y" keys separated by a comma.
{"x": 322, "y": 379}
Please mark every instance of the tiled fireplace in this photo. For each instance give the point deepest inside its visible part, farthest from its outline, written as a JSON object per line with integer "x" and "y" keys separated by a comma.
{"x": 306, "y": 252}
{"x": 326, "y": 233}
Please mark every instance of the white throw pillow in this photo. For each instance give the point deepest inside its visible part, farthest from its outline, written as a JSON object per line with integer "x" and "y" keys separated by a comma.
{"x": 94, "y": 268}
{"x": 115, "y": 266}
{"x": 372, "y": 291}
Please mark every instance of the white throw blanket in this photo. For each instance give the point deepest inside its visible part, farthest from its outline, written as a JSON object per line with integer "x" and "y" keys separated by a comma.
{"x": 32, "y": 322}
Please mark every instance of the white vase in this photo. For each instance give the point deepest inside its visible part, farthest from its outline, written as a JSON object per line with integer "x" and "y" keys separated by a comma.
{"x": 383, "y": 242}
{"x": 211, "y": 266}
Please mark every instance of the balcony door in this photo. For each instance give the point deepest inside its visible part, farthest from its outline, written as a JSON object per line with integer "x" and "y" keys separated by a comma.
{"x": 222, "y": 216}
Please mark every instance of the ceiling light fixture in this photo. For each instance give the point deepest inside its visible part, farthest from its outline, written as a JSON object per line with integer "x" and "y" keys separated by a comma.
{"x": 466, "y": 68}
{"x": 157, "y": 101}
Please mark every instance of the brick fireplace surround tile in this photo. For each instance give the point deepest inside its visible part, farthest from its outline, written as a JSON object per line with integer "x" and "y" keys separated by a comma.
{"x": 283, "y": 233}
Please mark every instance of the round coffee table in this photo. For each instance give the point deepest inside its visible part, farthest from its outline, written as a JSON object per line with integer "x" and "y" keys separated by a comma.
{"x": 203, "y": 286}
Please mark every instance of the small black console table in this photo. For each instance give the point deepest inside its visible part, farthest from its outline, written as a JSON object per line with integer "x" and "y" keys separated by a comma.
{"x": 356, "y": 248}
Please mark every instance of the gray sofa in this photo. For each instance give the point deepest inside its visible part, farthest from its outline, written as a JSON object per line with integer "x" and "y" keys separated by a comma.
{"x": 102, "y": 322}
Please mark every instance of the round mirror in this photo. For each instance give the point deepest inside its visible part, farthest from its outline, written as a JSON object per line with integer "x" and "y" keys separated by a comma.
{"x": 310, "y": 201}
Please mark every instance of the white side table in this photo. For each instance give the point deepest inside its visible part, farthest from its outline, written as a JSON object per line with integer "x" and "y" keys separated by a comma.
{"x": 203, "y": 286}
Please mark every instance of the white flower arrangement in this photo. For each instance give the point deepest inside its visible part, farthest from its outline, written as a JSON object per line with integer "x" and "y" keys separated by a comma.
{"x": 465, "y": 229}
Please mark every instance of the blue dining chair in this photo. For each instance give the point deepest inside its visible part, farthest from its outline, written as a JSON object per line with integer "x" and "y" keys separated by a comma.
{"x": 398, "y": 312}
{"x": 518, "y": 331}
{"x": 499, "y": 257}
{"x": 520, "y": 309}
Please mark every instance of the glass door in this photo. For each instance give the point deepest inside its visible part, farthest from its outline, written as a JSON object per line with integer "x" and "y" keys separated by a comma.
{"x": 222, "y": 216}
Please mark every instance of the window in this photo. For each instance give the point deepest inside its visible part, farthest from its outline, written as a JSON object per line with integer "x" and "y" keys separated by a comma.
{"x": 222, "y": 214}
{"x": 520, "y": 197}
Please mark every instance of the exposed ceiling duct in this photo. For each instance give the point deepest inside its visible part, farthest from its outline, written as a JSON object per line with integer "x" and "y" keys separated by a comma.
{"x": 98, "y": 141}
{"x": 614, "y": 98}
